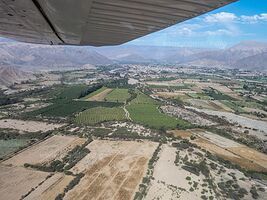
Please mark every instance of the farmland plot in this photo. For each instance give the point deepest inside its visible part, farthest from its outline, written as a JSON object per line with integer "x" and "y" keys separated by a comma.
{"x": 45, "y": 152}
{"x": 99, "y": 114}
{"x": 144, "y": 110}
{"x": 100, "y": 96}
{"x": 16, "y": 182}
{"x": 113, "y": 169}
{"x": 118, "y": 95}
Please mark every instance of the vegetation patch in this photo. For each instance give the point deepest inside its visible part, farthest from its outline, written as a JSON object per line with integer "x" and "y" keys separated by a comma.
{"x": 144, "y": 110}
{"x": 100, "y": 114}
{"x": 118, "y": 95}
{"x": 12, "y": 145}
{"x": 68, "y": 108}
{"x": 218, "y": 95}
{"x": 99, "y": 90}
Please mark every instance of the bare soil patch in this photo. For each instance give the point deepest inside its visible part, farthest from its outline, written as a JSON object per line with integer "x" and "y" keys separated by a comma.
{"x": 100, "y": 96}
{"x": 113, "y": 169}
{"x": 18, "y": 181}
{"x": 51, "y": 187}
{"x": 29, "y": 126}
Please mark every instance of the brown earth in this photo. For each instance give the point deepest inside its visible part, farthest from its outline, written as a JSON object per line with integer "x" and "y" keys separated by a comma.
{"x": 18, "y": 181}
{"x": 100, "y": 96}
{"x": 117, "y": 171}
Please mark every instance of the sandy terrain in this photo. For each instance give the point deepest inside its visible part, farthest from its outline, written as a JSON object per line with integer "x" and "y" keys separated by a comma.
{"x": 207, "y": 104}
{"x": 113, "y": 169}
{"x": 53, "y": 148}
{"x": 170, "y": 180}
{"x": 29, "y": 126}
{"x": 100, "y": 96}
{"x": 181, "y": 94}
{"x": 176, "y": 82}
{"x": 186, "y": 115}
{"x": 18, "y": 181}
{"x": 243, "y": 121}
{"x": 227, "y": 149}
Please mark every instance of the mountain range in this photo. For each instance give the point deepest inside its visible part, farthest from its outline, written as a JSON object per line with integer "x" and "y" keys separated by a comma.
{"x": 246, "y": 55}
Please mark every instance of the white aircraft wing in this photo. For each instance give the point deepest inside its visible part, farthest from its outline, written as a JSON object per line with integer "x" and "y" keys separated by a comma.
{"x": 94, "y": 22}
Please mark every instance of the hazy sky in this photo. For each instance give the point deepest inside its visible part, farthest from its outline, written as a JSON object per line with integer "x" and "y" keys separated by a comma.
{"x": 243, "y": 20}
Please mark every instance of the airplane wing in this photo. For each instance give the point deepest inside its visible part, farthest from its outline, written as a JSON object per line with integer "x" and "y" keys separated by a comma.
{"x": 95, "y": 22}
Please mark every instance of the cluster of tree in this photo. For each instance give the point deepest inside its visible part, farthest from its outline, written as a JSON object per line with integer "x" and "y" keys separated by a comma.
{"x": 8, "y": 135}
{"x": 133, "y": 95}
{"x": 73, "y": 156}
{"x": 89, "y": 90}
{"x": 4, "y": 100}
{"x": 142, "y": 191}
{"x": 118, "y": 83}
{"x": 231, "y": 190}
{"x": 215, "y": 94}
{"x": 70, "y": 186}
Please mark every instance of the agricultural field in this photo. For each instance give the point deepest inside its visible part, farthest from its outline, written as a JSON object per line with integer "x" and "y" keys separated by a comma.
{"x": 217, "y": 95}
{"x": 142, "y": 98}
{"x": 28, "y": 126}
{"x": 30, "y": 184}
{"x": 55, "y": 147}
{"x": 113, "y": 170}
{"x": 118, "y": 95}
{"x": 69, "y": 108}
{"x": 144, "y": 110}
{"x": 95, "y": 93}
{"x": 99, "y": 95}
{"x": 100, "y": 114}
{"x": 199, "y": 96}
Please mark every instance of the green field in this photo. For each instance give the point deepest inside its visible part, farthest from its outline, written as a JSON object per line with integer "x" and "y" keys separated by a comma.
{"x": 94, "y": 93}
{"x": 9, "y": 146}
{"x": 141, "y": 98}
{"x": 118, "y": 95}
{"x": 100, "y": 114}
{"x": 68, "y": 108}
{"x": 144, "y": 110}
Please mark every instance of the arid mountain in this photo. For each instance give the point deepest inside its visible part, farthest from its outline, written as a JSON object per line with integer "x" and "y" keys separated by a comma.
{"x": 247, "y": 55}
{"x": 258, "y": 61}
{"x": 233, "y": 57}
{"x": 10, "y": 75}
{"x": 45, "y": 56}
